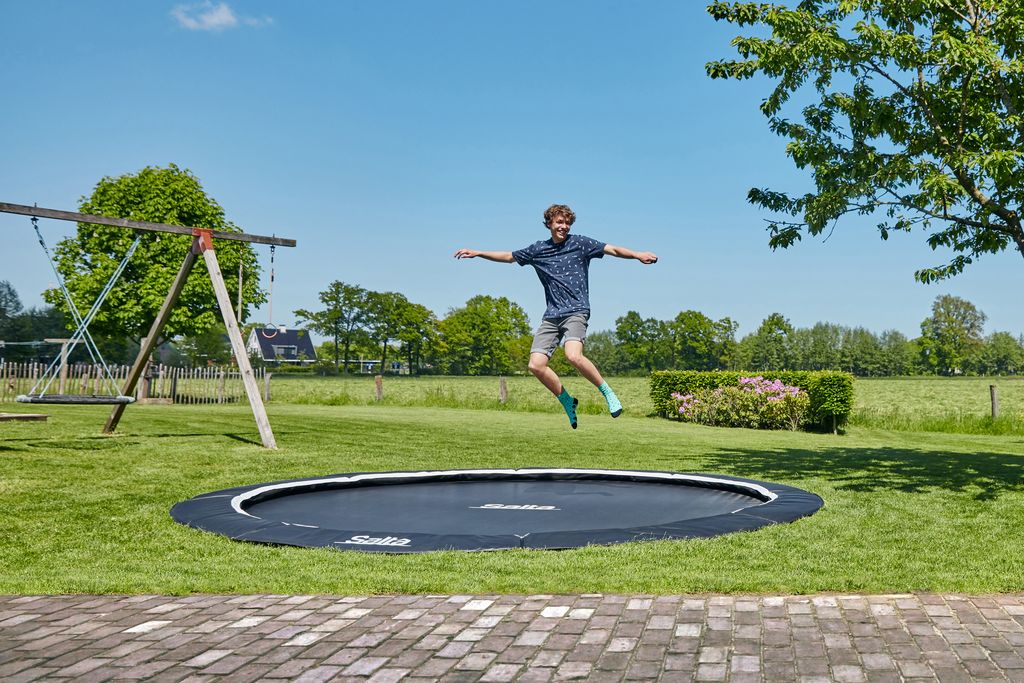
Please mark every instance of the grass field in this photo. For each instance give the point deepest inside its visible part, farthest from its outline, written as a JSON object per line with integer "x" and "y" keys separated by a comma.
{"x": 904, "y": 511}
{"x": 942, "y": 404}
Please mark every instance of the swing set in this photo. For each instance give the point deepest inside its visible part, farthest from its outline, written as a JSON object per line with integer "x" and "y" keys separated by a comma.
{"x": 202, "y": 244}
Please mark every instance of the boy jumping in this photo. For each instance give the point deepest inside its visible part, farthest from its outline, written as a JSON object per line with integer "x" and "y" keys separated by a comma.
{"x": 562, "y": 264}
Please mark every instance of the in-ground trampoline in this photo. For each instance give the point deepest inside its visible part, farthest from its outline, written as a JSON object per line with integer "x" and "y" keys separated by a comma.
{"x": 492, "y": 509}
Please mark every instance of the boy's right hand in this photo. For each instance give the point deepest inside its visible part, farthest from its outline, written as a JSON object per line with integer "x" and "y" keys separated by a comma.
{"x": 466, "y": 253}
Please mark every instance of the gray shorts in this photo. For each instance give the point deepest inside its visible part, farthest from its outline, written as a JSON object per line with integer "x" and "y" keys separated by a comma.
{"x": 553, "y": 331}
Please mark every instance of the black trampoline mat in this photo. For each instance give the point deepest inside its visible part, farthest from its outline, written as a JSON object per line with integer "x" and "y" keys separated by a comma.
{"x": 490, "y": 509}
{"x": 500, "y": 507}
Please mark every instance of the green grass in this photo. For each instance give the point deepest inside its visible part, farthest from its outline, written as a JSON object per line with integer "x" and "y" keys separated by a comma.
{"x": 940, "y": 404}
{"x": 525, "y": 394}
{"x": 903, "y": 511}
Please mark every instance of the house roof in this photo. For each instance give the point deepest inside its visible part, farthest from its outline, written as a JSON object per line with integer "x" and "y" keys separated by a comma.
{"x": 287, "y": 344}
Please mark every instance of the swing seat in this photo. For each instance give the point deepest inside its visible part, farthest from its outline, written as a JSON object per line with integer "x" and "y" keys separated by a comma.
{"x": 75, "y": 399}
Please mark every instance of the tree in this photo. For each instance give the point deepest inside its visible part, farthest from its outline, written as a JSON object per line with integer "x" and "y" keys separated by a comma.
{"x": 604, "y": 350}
{"x": 645, "y": 342}
{"x": 209, "y": 346}
{"x": 479, "y": 338}
{"x": 769, "y": 346}
{"x": 918, "y": 116}
{"x": 860, "y": 352}
{"x": 345, "y": 312}
{"x": 87, "y": 259}
{"x": 700, "y": 343}
{"x": 33, "y": 325}
{"x": 896, "y": 357}
{"x": 817, "y": 348}
{"x": 951, "y": 336}
{"x": 386, "y": 314}
{"x": 10, "y": 303}
{"x": 1002, "y": 354}
{"x": 417, "y": 331}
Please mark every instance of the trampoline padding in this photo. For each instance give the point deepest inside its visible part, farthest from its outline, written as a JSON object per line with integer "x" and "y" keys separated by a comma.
{"x": 399, "y": 512}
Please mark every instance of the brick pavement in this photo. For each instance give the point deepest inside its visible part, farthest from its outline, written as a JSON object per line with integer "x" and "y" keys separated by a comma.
{"x": 496, "y": 638}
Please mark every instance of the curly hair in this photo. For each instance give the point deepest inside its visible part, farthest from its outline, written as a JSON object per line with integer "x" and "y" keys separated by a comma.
{"x": 558, "y": 210}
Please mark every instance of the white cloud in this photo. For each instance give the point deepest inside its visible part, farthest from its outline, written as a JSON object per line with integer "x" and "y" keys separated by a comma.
{"x": 207, "y": 16}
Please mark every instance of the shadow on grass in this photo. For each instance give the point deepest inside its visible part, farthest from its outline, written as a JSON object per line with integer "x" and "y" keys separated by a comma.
{"x": 869, "y": 470}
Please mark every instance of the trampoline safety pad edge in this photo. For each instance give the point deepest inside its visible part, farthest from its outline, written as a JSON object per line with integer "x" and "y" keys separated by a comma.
{"x": 493, "y": 509}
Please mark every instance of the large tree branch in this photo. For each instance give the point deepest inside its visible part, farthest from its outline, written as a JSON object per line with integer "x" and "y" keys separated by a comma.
{"x": 960, "y": 174}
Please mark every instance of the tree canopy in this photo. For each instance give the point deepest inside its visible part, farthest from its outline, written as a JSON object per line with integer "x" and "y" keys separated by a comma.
{"x": 916, "y": 116}
{"x": 476, "y": 338}
{"x": 87, "y": 259}
{"x": 342, "y": 318}
{"x": 10, "y": 302}
{"x": 952, "y": 335}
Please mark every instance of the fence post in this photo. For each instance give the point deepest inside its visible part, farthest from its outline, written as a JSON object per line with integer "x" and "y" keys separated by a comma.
{"x": 502, "y": 390}
{"x": 220, "y": 385}
{"x": 266, "y": 385}
{"x": 379, "y": 381}
{"x": 994, "y": 395}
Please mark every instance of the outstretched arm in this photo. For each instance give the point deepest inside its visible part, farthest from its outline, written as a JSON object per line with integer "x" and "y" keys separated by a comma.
{"x": 498, "y": 256}
{"x": 645, "y": 257}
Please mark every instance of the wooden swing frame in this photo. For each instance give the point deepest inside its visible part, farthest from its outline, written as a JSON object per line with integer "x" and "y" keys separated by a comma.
{"x": 202, "y": 244}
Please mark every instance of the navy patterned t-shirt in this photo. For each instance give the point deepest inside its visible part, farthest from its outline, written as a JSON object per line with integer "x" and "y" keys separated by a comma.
{"x": 563, "y": 270}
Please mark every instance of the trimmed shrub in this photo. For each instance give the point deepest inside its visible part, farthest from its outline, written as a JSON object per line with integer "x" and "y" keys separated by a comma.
{"x": 830, "y": 394}
{"x": 756, "y": 403}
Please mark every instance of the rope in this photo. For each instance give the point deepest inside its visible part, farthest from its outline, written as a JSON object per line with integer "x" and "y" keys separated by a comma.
{"x": 81, "y": 333}
{"x": 270, "y": 299}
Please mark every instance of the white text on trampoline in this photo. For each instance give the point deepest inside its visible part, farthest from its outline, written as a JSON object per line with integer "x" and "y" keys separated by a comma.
{"x": 370, "y": 540}
{"x": 500, "y": 506}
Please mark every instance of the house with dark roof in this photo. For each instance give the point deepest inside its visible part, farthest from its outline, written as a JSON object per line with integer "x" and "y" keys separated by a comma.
{"x": 281, "y": 345}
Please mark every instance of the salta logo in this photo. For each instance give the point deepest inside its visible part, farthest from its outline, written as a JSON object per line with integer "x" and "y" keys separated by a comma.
{"x": 502, "y": 506}
{"x": 372, "y": 540}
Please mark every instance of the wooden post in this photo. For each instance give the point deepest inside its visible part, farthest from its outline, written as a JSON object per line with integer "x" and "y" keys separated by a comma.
{"x": 259, "y": 411}
{"x": 221, "y": 386}
{"x": 266, "y": 385}
{"x": 502, "y": 390}
{"x": 994, "y": 395}
{"x": 63, "y": 373}
{"x": 63, "y": 366}
{"x": 379, "y": 381}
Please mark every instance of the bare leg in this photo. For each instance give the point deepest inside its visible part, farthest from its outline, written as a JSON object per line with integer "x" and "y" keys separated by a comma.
{"x": 583, "y": 365}
{"x": 539, "y": 367}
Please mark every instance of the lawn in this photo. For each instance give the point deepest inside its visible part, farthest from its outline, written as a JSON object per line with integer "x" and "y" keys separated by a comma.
{"x": 475, "y": 393}
{"x": 947, "y": 404}
{"x": 904, "y": 511}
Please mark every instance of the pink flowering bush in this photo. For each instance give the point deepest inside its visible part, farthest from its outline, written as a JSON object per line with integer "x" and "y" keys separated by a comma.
{"x": 756, "y": 403}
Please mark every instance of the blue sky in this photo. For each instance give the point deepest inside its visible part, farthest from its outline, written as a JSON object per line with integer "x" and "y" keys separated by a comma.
{"x": 383, "y": 136}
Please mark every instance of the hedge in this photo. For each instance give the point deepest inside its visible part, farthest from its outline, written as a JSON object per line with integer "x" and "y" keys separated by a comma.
{"x": 831, "y": 393}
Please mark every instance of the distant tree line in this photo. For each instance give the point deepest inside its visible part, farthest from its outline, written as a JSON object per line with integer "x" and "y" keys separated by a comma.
{"x": 491, "y": 336}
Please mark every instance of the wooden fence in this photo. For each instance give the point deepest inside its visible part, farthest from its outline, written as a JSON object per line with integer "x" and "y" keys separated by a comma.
{"x": 160, "y": 384}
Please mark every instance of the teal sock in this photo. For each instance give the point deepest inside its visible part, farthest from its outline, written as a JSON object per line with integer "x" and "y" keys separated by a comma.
{"x": 569, "y": 403}
{"x": 614, "y": 407}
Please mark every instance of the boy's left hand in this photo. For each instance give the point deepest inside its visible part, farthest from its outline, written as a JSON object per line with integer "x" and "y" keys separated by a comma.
{"x": 647, "y": 257}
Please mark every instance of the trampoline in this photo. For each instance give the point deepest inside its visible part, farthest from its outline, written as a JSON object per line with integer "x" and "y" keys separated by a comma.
{"x": 492, "y": 509}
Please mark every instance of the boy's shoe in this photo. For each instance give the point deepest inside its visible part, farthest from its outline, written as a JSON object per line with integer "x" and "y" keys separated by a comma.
{"x": 571, "y": 412}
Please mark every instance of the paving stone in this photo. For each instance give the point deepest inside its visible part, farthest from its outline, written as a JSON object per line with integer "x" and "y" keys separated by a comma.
{"x": 595, "y": 637}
